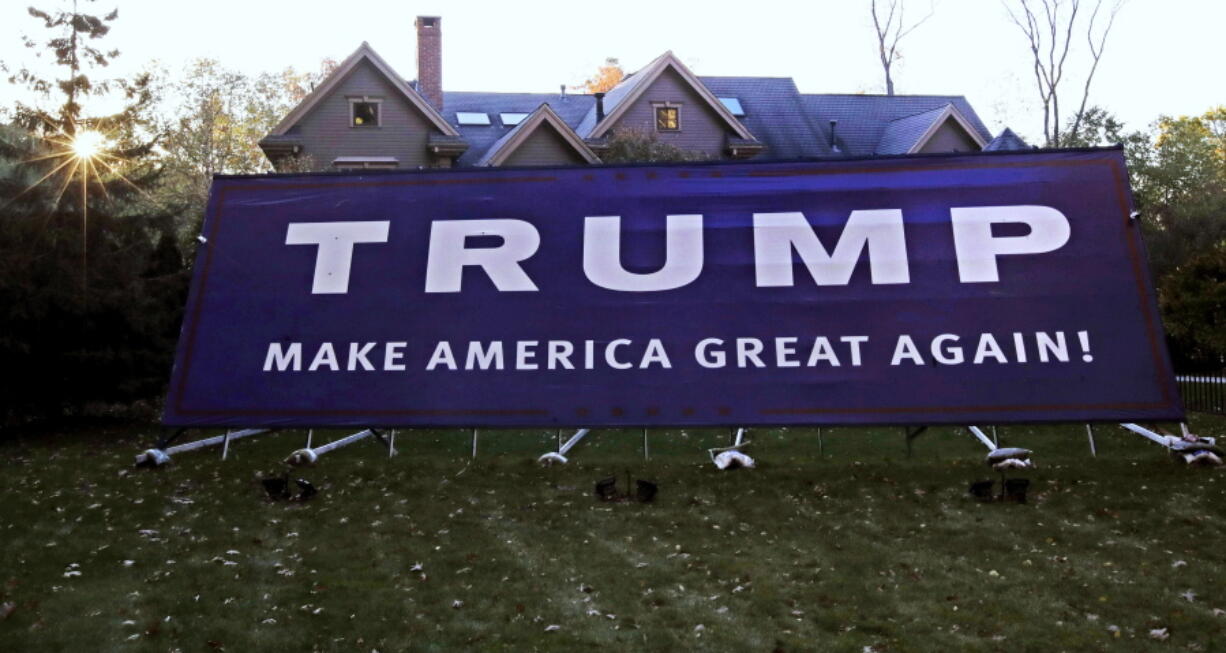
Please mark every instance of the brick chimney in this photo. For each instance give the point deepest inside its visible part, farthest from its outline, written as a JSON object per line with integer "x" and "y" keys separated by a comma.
{"x": 430, "y": 59}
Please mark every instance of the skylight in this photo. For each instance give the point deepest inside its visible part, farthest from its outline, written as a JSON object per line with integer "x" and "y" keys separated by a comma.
{"x": 733, "y": 105}
{"x": 512, "y": 119}
{"x": 472, "y": 118}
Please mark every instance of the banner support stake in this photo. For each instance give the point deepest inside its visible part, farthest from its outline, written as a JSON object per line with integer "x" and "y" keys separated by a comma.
{"x": 911, "y": 435}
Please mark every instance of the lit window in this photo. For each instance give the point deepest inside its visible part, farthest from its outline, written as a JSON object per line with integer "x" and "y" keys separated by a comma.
{"x": 364, "y": 113}
{"x": 733, "y": 105}
{"x": 668, "y": 119}
{"x": 512, "y": 119}
{"x": 472, "y": 118}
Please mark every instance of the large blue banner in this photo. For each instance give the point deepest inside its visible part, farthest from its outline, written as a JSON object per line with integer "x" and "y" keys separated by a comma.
{"x": 919, "y": 290}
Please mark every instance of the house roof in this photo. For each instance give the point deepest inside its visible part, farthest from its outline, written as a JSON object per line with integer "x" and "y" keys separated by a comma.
{"x": 910, "y": 133}
{"x": 787, "y": 124}
{"x": 543, "y": 117}
{"x": 901, "y": 134}
{"x": 363, "y": 53}
{"x": 775, "y": 113}
{"x": 1006, "y": 140}
{"x": 864, "y": 119}
{"x": 622, "y": 97}
{"x": 569, "y": 108}
{"x": 790, "y": 124}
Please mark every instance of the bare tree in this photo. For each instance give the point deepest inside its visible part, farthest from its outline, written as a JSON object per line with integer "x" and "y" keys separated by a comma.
{"x": 890, "y": 32}
{"x": 1049, "y": 26}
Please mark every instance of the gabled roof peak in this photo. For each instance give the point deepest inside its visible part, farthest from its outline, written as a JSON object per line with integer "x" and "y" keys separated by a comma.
{"x": 544, "y": 115}
{"x": 620, "y": 97}
{"x": 364, "y": 52}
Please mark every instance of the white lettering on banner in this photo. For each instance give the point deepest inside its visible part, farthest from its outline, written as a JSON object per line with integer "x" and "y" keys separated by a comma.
{"x": 559, "y": 355}
{"x": 442, "y": 356}
{"x": 682, "y": 255}
{"x": 283, "y": 357}
{"x": 358, "y": 356}
{"x": 710, "y": 359}
{"x": 989, "y": 347}
{"x": 977, "y": 248}
{"x": 610, "y": 354}
{"x": 879, "y": 231}
{"x": 745, "y": 353}
{"x": 905, "y": 350}
{"x": 335, "y": 255}
{"x": 877, "y": 235}
{"x": 448, "y": 256}
{"x": 951, "y": 355}
{"x": 392, "y": 354}
{"x": 326, "y": 356}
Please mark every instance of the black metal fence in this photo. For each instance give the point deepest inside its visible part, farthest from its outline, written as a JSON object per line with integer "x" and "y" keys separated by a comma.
{"x": 1204, "y": 392}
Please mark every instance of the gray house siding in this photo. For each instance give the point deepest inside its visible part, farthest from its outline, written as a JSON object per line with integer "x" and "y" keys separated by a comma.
{"x": 950, "y": 137}
{"x": 702, "y": 130}
{"x": 326, "y": 132}
{"x": 544, "y": 146}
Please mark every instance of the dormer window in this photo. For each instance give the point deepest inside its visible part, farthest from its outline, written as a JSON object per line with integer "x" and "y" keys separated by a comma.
{"x": 668, "y": 118}
{"x": 364, "y": 112}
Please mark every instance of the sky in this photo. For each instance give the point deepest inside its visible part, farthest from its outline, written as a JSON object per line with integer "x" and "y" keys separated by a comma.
{"x": 1160, "y": 58}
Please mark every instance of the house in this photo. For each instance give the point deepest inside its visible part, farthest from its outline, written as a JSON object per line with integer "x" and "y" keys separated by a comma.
{"x": 365, "y": 115}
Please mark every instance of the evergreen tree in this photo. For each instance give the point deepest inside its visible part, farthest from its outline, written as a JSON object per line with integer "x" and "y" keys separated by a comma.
{"x": 91, "y": 283}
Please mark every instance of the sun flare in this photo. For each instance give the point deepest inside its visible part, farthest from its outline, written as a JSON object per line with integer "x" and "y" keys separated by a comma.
{"x": 88, "y": 144}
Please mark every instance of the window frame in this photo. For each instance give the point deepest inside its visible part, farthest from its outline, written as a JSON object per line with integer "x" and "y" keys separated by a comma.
{"x": 657, "y": 107}
{"x": 365, "y": 99}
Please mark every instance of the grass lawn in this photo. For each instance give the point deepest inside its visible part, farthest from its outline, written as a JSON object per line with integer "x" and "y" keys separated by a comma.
{"x": 857, "y": 549}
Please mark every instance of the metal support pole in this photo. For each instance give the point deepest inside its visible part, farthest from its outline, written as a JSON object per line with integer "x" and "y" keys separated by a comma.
{"x": 646, "y": 455}
{"x": 162, "y": 455}
{"x": 345, "y": 441}
{"x": 558, "y": 433}
{"x": 978, "y": 433}
{"x": 474, "y": 444}
{"x": 391, "y": 444}
{"x": 559, "y": 456}
{"x": 225, "y": 446}
{"x": 821, "y": 448}
{"x": 995, "y": 438}
{"x": 1147, "y": 434}
{"x": 1090, "y": 435}
{"x": 310, "y": 432}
